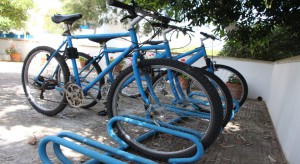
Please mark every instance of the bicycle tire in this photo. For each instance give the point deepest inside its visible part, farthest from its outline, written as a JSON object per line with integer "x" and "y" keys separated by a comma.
{"x": 222, "y": 89}
{"x": 114, "y": 109}
{"x": 224, "y": 77}
{"x": 57, "y": 100}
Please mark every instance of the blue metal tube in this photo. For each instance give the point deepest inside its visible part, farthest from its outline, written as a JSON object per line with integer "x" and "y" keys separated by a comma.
{"x": 135, "y": 65}
{"x": 171, "y": 81}
{"x": 185, "y": 54}
{"x": 167, "y": 125}
{"x": 110, "y": 73}
{"x": 179, "y": 88}
{"x": 109, "y": 68}
{"x": 184, "y": 112}
{"x": 237, "y": 105}
{"x": 52, "y": 56}
{"x": 75, "y": 69}
{"x": 95, "y": 36}
{"x": 93, "y": 154}
{"x": 143, "y": 136}
{"x": 105, "y": 148}
{"x": 153, "y": 47}
{"x": 114, "y": 50}
{"x": 164, "y": 130}
{"x": 201, "y": 52}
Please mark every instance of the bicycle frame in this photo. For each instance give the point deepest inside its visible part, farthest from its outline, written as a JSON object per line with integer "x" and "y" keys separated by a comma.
{"x": 134, "y": 47}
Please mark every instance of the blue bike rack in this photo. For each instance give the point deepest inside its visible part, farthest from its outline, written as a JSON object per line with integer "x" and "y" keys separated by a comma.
{"x": 236, "y": 108}
{"x": 117, "y": 152}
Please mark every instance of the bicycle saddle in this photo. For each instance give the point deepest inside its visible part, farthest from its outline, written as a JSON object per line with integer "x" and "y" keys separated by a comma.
{"x": 69, "y": 19}
{"x": 102, "y": 40}
{"x": 156, "y": 42}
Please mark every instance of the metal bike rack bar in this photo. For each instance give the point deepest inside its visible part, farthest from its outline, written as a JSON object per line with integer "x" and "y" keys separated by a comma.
{"x": 110, "y": 151}
{"x": 193, "y": 138}
{"x": 236, "y": 108}
{"x": 83, "y": 150}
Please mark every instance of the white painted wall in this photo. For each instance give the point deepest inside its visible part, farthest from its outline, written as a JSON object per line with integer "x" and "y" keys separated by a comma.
{"x": 25, "y": 46}
{"x": 279, "y": 85}
{"x": 284, "y": 106}
{"x": 257, "y": 74}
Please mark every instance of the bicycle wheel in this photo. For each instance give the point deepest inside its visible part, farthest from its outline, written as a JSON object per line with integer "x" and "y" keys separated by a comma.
{"x": 88, "y": 70}
{"x": 42, "y": 92}
{"x": 234, "y": 80}
{"x": 183, "y": 111}
{"x": 219, "y": 85}
{"x": 131, "y": 90}
{"x": 224, "y": 94}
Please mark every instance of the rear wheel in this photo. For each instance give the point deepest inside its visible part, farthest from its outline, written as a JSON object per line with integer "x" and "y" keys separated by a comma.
{"x": 234, "y": 80}
{"x": 224, "y": 94}
{"x": 44, "y": 92}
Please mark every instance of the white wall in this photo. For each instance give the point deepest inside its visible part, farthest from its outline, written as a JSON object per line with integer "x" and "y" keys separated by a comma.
{"x": 25, "y": 46}
{"x": 284, "y": 106}
{"x": 257, "y": 74}
{"x": 279, "y": 85}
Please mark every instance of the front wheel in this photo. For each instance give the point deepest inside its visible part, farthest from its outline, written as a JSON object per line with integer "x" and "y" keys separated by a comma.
{"x": 199, "y": 111}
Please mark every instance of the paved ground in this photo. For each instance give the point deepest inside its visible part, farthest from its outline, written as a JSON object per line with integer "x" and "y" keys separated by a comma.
{"x": 250, "y": 139}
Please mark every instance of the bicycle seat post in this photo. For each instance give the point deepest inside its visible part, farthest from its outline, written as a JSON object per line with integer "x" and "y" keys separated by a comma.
{"x": 67, "y": 28}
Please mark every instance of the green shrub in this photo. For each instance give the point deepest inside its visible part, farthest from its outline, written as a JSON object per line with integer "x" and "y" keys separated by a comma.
{"x": 281, "y": 44}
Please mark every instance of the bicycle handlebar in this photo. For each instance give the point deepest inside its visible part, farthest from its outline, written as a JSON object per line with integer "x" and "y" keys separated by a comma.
{"x": 133, "y": 10}
{"x": 209, "y": 36}
{"x": 124, "y": 6}
{"x": 164, "y": 25}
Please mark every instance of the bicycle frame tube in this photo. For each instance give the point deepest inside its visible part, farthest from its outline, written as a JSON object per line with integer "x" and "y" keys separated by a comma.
{"x": 74, "y": 65}
{"x": 107, "y": 69}
{"x": 110, "y": 66}
{"x": 110, "y": 74}
{"x": 135, "y": 65}
{"x": 51, "y": 57}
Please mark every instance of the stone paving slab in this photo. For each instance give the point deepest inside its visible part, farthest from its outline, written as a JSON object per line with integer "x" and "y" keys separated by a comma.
{"x": 249, "y": 139}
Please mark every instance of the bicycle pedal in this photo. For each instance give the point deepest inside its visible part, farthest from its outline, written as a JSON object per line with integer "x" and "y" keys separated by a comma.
{"x": 102, "y": 113}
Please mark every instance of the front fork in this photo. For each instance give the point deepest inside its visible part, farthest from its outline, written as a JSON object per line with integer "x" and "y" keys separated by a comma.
{"x": 210, "y": 65}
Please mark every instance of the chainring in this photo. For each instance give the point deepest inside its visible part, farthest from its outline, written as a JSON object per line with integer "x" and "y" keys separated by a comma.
{"x": 74, "y": 95}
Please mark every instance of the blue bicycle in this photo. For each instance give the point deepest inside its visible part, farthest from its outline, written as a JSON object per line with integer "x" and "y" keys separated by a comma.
{"x": 131, "y": 90}
{"x": 50, "y": 87}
